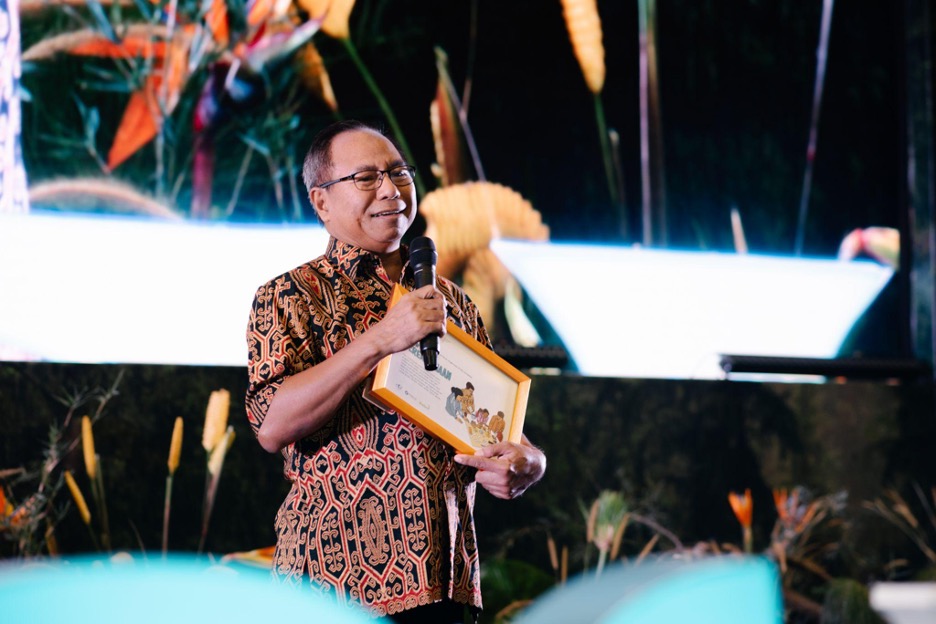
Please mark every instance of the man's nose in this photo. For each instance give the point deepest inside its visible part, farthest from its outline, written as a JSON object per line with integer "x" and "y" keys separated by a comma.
{"x": 387, "y": 187}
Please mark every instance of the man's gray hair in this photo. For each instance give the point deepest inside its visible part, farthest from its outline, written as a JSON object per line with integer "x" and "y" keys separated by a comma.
{"x": 318, "y": 162}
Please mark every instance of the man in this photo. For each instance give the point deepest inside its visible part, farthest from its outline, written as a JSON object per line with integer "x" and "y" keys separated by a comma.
{"x": 380, "y": 513}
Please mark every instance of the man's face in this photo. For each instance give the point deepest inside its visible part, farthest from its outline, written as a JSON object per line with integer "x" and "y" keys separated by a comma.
{"x": 373, "y": 220}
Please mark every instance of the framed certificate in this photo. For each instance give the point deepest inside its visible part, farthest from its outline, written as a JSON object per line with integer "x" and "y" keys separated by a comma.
{"x": 474, "y": 398}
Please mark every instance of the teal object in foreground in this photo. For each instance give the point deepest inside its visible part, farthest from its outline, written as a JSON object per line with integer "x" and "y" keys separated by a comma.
{"x": 180, "y": 589}
{"x": 716, "y": 590}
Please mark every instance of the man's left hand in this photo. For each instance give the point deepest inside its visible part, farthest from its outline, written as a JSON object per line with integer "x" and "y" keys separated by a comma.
{"x": 506, "y": 469}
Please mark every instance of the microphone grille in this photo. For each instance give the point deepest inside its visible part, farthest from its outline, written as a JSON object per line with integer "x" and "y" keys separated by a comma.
{"x": 423, "y": 251}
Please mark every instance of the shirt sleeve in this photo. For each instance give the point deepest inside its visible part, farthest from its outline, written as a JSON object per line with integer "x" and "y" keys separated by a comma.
{"x": 276, "y": 336}
{"x": 465, "y": 311}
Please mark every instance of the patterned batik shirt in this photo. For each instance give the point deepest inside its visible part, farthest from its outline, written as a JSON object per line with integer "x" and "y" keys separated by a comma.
{"x": 378, "y": 514}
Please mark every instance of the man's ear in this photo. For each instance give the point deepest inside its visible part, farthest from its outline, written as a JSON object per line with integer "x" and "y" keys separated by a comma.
{"x": 318, "y": 198}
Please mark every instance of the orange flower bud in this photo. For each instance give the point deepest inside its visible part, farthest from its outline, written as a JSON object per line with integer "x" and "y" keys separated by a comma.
{"x": 743, "y": 507}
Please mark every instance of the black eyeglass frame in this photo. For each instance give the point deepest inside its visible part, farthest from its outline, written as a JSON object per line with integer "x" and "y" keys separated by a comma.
{"x": 381, "y": 173}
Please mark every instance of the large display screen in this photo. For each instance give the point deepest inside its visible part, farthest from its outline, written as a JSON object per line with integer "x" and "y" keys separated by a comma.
{"x": 96, "y": 289}
{"x": 110, "y": 289}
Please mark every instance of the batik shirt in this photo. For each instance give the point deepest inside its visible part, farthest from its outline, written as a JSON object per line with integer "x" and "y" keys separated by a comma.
{"x": 378, "y": 514}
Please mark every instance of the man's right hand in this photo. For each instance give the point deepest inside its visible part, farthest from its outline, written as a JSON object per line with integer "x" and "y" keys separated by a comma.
{"x": 417, "y": 314}
{"x": 306, "y": 400}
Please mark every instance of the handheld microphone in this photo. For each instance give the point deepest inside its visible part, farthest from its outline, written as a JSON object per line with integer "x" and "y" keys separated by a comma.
{"x": 423, "y": 259}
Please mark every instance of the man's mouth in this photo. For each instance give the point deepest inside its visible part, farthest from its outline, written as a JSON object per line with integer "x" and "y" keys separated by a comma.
{"x": 389, "y": 213}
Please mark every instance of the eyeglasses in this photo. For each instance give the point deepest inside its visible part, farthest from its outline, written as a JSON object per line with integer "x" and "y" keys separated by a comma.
{"x": 371, "y": 179}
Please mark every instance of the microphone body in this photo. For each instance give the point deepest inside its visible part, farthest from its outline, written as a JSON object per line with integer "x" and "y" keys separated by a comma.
{"x": 423, "y": 258}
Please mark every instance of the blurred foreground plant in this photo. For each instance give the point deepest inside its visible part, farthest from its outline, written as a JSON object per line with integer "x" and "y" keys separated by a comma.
{"x": 919, "y": 527}
{"x": 806, "y": 535}
{"x": 606, "y": 521}
{"x": 28, "y": 523}
{"x": 31, "y": 521}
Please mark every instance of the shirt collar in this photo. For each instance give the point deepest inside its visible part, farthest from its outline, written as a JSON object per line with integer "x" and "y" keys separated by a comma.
{"x": 349, "y": 258}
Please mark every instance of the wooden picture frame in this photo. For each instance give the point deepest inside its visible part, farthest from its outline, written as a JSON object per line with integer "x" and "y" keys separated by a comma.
{"x": 474, "y": 398}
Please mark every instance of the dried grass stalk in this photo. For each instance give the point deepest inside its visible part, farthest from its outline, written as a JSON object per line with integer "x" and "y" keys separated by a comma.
{"x": 584, "y": 26}
{"x": 216, "y": 418}
{"x": 87, "y": 447}
{"x": 78, "y": 497}
{"x": 175, "y": 446}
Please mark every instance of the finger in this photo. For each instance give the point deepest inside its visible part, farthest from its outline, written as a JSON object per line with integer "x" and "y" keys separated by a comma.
{"x": 495, "y": 485}
{"x": 495, "y": 479}
{"x": 472, "y": 461}
{"x": 426, "y": 292}
{"x": 495, "y": 450}
{"x": 484, "y": 464}
{"x": 434, "y": 308}
{"x": 502, "y": 494}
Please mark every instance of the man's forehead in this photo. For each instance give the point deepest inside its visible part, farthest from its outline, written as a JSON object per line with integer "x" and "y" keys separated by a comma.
{"x": 362, "y": 147}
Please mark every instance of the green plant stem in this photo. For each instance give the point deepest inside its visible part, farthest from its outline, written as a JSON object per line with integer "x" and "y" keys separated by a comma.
{"x": 748, "y": 540}
{"x": 97, "y": 489}
{"x": 166, "y": 508}
{"x": 606, "y": 155}
{"x": 384, "y": 106}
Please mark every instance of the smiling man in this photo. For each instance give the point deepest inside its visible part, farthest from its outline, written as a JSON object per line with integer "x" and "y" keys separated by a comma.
{"x": 380, "y": 513}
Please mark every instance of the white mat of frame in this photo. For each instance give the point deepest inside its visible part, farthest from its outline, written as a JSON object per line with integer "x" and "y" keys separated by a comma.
{"x": 94, "y": 289}
{"x": 630, "y": 312}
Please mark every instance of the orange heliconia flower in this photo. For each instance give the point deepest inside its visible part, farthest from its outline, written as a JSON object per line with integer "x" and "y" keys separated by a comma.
{"x": 794, "y": 516}
{"x": 312, "y": 73}
{"x": 743, "y": 507}
{"x": 146, "y": 109}
{"x": 784, "y": 504}
{"x": 261, "y": 11}
{"x": 216, "y": 20}
{"x": 336, "y": 13}
{"x": 6, "y": 509}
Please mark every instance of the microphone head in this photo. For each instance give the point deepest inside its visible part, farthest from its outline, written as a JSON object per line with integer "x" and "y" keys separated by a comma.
{"x": 423, "y": 252}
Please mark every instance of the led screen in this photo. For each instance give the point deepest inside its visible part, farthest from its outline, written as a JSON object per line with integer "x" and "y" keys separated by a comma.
{"x": 106, "y": 289}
